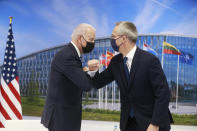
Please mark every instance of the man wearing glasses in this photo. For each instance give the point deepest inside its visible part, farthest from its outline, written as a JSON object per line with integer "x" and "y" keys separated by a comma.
{"x": 144, "y": 90}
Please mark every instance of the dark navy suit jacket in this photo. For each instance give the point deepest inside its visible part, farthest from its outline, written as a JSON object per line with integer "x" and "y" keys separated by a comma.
{"x": 147, "y": 90}
{"x": 67, "y": 80}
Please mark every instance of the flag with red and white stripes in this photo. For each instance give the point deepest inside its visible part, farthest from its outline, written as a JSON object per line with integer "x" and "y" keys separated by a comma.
{"x": 10, "y": 102}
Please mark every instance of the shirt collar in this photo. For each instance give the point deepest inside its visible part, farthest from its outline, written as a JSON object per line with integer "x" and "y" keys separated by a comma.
{"x": 131, "y": 53}
{"x": 78, "y": 52}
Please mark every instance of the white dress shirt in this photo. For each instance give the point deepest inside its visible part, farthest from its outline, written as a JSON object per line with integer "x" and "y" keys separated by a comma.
{"x": 78, "y": 52}
{"x": 130, "y": 56}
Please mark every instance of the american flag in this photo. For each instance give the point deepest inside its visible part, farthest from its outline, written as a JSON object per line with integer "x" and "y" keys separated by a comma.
{"x": 10, "y": 102}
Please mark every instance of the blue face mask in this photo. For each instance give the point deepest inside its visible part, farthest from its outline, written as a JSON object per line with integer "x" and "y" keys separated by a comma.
{"x": 113, "y": 44}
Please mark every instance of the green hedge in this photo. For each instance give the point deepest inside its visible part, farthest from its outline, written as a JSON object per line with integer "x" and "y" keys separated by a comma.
{"x": 35, "y": 108}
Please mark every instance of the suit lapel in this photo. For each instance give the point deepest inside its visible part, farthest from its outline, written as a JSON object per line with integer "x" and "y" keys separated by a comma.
{"x": 134, "y": 66}
{"x": 75, "y": 55}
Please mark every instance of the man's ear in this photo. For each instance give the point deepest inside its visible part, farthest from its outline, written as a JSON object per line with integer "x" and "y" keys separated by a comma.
{"x": 79, "y": 40}
{"x": 124, "y": 37}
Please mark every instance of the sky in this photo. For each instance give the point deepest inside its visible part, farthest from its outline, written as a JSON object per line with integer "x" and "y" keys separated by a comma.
{"x": 40, "y": 24}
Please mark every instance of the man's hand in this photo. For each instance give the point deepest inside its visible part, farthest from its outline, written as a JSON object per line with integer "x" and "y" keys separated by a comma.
{"x": 93, "y": 65}
{"x": 85, "y": 69}
{"x": 152, "y": 127}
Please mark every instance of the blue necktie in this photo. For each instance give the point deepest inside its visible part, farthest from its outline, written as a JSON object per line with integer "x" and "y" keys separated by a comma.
{"x": 127, "y": 77}
{"x": 126, "y": 70}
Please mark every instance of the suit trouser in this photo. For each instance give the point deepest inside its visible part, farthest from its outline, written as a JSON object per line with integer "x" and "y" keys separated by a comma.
{"x": 51, "y": 129}
{"x": 51, "y": 126}
{"x": 132, "y": 125}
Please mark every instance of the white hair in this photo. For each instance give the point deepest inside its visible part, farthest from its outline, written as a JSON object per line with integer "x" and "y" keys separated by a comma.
{"x": 128, "y": 29}
{"x": 81, "y": 29}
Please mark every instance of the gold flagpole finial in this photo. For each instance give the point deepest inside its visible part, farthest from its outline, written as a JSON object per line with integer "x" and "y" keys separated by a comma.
{"x": 10, "y": 19}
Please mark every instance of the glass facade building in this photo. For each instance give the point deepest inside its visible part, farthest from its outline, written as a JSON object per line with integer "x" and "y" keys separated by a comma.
{"x": 36, "y": 66}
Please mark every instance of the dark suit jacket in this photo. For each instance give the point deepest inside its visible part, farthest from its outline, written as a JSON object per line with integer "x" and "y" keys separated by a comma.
{"x": 67, "y": 80}
{"x": 147, "y": 90}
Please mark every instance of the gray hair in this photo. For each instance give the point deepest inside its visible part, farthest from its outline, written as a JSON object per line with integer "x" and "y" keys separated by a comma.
{"x": 81, "y": 29}
{"x": 128, "y": 29}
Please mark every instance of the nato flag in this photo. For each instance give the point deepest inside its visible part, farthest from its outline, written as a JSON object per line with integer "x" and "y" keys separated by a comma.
{"x": 186, "y": 57}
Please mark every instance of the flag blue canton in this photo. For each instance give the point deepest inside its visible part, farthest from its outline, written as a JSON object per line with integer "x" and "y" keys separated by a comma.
{"x": 9, "y": 71}
{"x": 186, "y": 57}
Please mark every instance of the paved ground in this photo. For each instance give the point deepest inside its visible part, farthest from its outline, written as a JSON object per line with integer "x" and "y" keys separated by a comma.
{"x": 33, "y": 124}
{"x": 182, "y": 108}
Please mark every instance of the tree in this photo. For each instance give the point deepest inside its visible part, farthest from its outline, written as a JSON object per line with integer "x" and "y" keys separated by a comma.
{"x": 33, "y": 90}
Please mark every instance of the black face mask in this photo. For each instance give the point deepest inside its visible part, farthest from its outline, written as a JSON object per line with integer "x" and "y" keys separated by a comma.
{"x": 89, "y": 47}
{"x": 113, "y": 45}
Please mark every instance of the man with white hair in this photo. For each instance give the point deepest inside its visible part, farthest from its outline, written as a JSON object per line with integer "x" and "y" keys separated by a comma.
{"x": 67, "y": 80}
{"x": 144, "y": 91}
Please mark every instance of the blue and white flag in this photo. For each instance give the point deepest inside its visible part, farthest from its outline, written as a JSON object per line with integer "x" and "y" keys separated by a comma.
{"x": 149, "y": 49}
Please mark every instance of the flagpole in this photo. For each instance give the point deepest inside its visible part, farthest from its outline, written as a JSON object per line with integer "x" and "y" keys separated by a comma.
{"x": 99, "y": 104}
{"x": 112, "y": 95}
{"x": 139, "y": 41}
{"x": 177, "y": 89}
{"x": 119, "y": 97}
{"x": 99, "y": 99}
{"x": 106, "y": 85}
{"x": 114, "y": 84}
{"x": 112, "y": 92}
{"x": 162, "y": 57}
{"x": 102, "y": 91}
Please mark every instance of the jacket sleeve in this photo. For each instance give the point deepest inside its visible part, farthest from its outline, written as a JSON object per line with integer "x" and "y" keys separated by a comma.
{"x": 161, "y": 93}
{"x": 72, "y": 69}
{"x": 103, "y": 78}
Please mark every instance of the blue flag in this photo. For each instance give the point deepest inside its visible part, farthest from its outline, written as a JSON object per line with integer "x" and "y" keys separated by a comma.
{"x": 186, "y": 58}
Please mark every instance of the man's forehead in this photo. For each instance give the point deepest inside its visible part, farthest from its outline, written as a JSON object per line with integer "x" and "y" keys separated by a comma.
{"x": 114, "y": 30}
{"x": 90, "y": 33}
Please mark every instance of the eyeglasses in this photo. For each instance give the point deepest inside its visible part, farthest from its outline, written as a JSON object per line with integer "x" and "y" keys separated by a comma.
{"x": 91, "y": 39}
{"x": 115, "y": 37}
